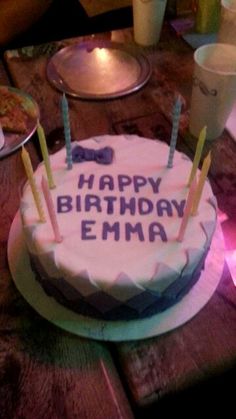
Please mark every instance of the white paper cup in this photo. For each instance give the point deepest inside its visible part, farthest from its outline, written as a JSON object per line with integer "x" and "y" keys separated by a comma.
{"x": 214, "y": 88}
{"x": 148, "y": 16}
{"x": 227, "y": 29}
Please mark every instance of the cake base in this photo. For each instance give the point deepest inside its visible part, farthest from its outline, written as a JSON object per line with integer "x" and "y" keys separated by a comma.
{"x": 64, "y": 318}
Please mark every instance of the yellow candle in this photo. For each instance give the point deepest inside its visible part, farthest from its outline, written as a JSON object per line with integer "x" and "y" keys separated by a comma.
{"x": 187, "y": 211}
{"x": 198, "y": 153}
{"x": 30, "y": 175}
{"x": 44, "y": 150}
{"x": 201, "y": 182}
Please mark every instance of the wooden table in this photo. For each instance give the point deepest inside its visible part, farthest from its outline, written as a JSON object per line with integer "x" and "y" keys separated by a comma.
{"x": 97, "y": 8}
{"x": 48, "y": 373}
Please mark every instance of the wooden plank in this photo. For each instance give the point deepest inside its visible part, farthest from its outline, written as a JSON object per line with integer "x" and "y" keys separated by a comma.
{"x": 93, "y": 8}
{"x": 168, "y": 364}
{"x": 48, "y": 373}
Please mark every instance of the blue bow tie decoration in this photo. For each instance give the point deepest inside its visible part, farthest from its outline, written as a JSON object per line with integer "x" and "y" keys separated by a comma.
{"x": 101, "y": 156}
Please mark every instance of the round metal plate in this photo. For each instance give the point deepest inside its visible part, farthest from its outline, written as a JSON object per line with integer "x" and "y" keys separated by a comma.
{"x": 14, "y": 141}
{"x": 98, "y": 70}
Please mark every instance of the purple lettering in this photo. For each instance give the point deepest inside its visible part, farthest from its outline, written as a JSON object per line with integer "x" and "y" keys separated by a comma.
{"x": 106, "y": 181}
{"x": 128, "y": 205}
{"x": 86, "y": 228}
{"x": 164, "y": 206}
{"x": 155, "y": 184}
{"x": 145, "y": 206}
{"x": 78, "y": 203}
{"x": 136, "y": 229}
{"x": 179, "y": 206}
{"x": 92, "y": 201}
{"x": 139, "y": 182}
{"x": 82, "y": 181}
{"x": 114, "y": 228}
{"x": 110, "y": 203}
{"x": 123, "y": 181}
{"x": 156, "y": 229}
{"x": 64, "y": 204}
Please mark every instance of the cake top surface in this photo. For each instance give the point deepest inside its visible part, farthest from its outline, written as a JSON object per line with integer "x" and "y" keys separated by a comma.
{"x": 120, "y": 221}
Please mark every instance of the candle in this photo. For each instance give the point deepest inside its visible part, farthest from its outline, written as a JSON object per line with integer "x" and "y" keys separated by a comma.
{"x": 30, "y": 175}
{"x": 187, "y": 211}
{"x": 201, "y": 182}
{"x": 51, "y": 210}
{"x": 198, "y": 153}
{"x": 66, "y": 122}
{"x": 44, "y": 150}
{"x": 174, "y": 133}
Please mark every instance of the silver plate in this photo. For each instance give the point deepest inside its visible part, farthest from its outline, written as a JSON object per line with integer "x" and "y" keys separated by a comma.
{"x": 98, "y": 70}
{"x": 14, "y": 141}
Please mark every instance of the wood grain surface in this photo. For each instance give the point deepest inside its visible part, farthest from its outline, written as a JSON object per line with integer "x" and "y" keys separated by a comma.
{"x": 94, "y": 8}
{"x": 48, "y": 367}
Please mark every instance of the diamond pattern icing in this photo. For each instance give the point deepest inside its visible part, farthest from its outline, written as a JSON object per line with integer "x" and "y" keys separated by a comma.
{"x": 142, "y": 301}
{"x": 83, "y": 284}
{"x": 174, "y": 289}
{"x": 187, "y": 279}
{"x": 103, "y": 302}
{"x": 121, "y": 283}
{"x": 168, "y": 276}
{"x": 193, "y": 256}
{"x": 47, "y": 260}
{"x": 67, "y": 290}
{"x": 213, "y": 201}
{"x": 208, "y": 228}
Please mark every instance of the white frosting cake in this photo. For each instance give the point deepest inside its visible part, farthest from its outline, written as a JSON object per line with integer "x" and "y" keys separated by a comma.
{"x": 119, "y": 257}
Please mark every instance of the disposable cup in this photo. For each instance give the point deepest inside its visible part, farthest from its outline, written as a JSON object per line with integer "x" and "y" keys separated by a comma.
{"x": 148, "y": 16}
{"x": 214, "y": 88}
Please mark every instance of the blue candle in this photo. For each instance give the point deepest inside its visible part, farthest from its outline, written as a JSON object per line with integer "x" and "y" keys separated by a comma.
{"x": 66, "y": 122}
{"x": 174, "y": 133}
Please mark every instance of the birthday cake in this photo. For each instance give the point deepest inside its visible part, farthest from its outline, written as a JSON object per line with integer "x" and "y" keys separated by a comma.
{"x": 119, "y": 210}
